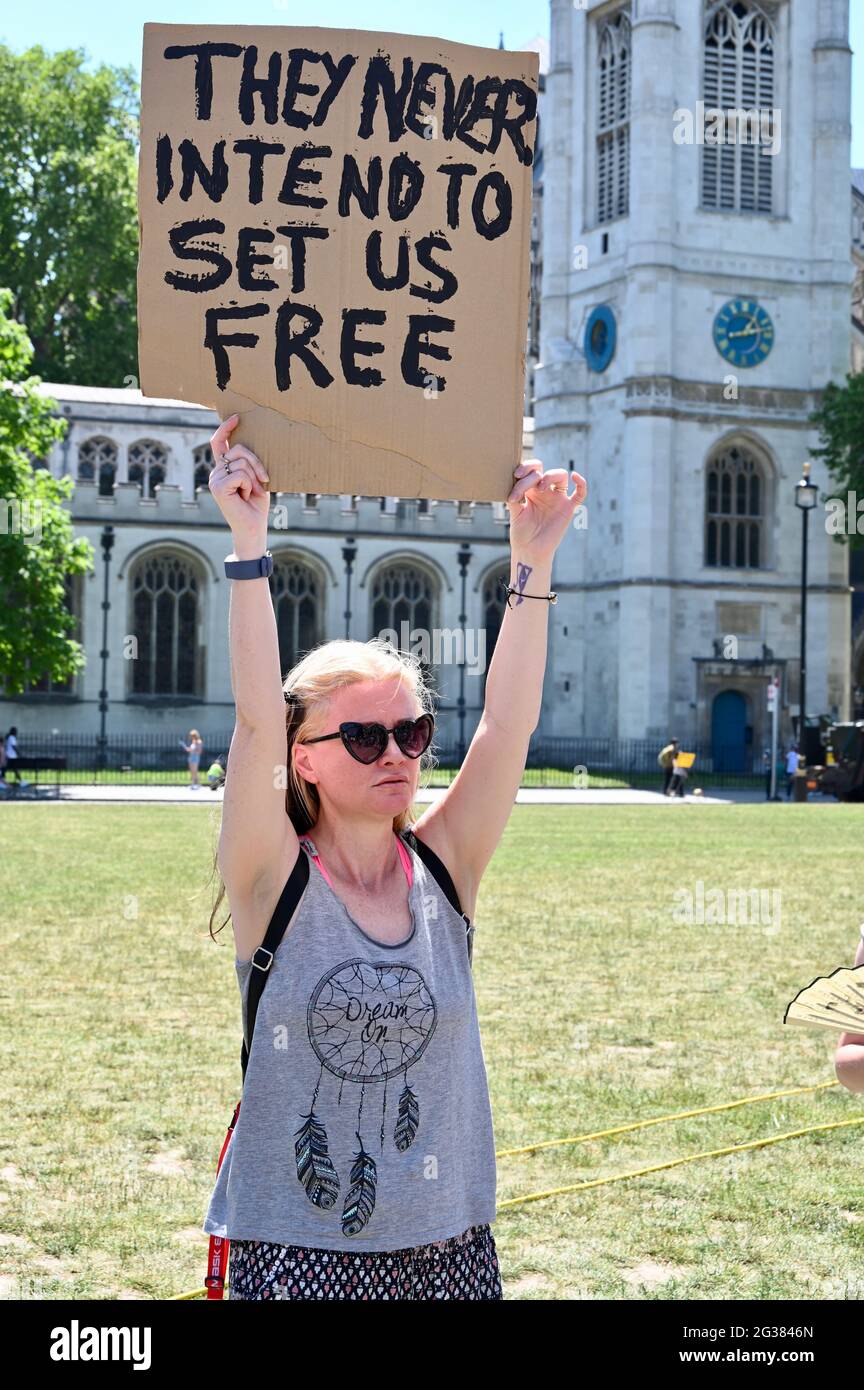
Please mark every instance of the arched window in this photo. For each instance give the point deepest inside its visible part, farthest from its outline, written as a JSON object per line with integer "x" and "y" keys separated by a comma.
{"x": 403, "y": 592}
{"x": 202, "y": 462}
{"x": 613, "y": 118}
{"x": 494, "y": 600}
{"x": 97, "y": 458}
{"x": 734, "y": 510}
{"x": 147, "y": 465}
{"x": 738, "y": 77}
{"x": 299, "y": 608}
{"x": 166, "y": 615}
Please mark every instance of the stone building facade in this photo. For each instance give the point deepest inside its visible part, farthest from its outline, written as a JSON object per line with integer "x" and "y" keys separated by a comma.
{"x": 661, "y": 236}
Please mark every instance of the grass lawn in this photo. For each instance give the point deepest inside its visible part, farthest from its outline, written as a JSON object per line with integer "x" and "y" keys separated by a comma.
{"x": 121, "y": 1039}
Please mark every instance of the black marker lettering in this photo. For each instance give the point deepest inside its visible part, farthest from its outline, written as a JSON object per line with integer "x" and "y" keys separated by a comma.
{"x": 298, "y": 237}
{"x": 256, "y": 148}
{"x": 455, "y": 174}
{"x": 337, "y": 72}
{"x": 164, "y": 177}
{"x": 374, "y": 269}
{"x": 480, "y": 111}
{"x": 295, "y": 173}
{"x": 178, "y": 235}
{"x": 504, "y": 196}
{"x": 352, "y": 185}
{"x": 380, "y": 78}
{"x": 449, "y": 284}
{"x": 247, "y": 258}
{"x": 290, "y": 345}
{"x": 267, "y": 87}
{"x": 218, "y": 344}
{"x": 412, "y": 373}
{"x": 422, "y": 95}
{"x": 294, "y": 87}
{"x": 203, "y": 53}
{"x": 214, "y": 181}
{"x": 513, "y": 124}
{"x": 455, "y": 106}
{"x": 351, "y": 346}
{"x": 402, "y": 201}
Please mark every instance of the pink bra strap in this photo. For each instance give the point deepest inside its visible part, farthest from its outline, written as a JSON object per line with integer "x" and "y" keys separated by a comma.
{"x": 403, "y": 855}
{"x": 406, "y": 859}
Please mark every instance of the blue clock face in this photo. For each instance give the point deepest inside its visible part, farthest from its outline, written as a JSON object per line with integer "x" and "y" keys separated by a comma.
{"x": 743, "y": 332}
{"x": 600, "y": 335}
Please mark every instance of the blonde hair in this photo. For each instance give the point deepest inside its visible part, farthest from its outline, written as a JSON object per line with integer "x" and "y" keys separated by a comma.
{"x": 193, "y": 733}
{"x": 327, "y": 668}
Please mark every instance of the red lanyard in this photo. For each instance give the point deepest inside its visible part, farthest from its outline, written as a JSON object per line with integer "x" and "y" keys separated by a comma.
{"x": 217, "y": 1258}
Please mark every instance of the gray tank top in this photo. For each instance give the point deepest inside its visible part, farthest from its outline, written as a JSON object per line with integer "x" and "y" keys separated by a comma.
{"x": 365, "y": 1120}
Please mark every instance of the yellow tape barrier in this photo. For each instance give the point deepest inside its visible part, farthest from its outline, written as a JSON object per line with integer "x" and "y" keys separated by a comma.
{"x": 654, "y": 1168}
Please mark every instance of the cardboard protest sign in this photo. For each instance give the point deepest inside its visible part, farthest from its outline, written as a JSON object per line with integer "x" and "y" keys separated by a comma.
{"x": 334, "y": 243}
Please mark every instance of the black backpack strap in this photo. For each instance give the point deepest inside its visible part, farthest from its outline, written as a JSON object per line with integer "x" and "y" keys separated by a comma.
{"x": 263, "y": 956}
{"x": 441, "y": 875}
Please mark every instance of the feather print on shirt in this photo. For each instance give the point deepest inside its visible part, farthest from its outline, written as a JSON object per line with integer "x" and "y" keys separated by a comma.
{"x": 366, "y": 1022}
{"x": 314, "y": 1168}
{"x": 360, "y": 1202}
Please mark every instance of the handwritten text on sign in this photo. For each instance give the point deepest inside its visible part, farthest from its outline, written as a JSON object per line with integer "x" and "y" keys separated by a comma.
{"x": 301, "y": 90}
{"x": 335, "y": 237}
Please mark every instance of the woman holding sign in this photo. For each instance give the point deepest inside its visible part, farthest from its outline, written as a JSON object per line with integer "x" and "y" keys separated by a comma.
{"x": 361, "y": 1161}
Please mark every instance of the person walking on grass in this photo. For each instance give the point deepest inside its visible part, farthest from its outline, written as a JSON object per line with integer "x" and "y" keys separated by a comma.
{"x": 791, "y": 769}
{"x": 679, "y": 776}
{"x": 11, "y": 749}
{"x": 324, "y": 1190}
{"x": 194, "y": 748}
{"x": 666, "y": 757}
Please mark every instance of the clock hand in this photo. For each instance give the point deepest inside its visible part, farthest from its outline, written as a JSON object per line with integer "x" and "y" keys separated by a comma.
{"x": 744, "y": 332}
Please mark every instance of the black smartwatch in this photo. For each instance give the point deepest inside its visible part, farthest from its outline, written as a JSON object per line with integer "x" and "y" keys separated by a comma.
{"x": 250, "y": 569}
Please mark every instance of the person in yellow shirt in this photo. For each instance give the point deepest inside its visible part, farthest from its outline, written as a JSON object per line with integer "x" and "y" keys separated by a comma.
{"x": 666, "y": 759}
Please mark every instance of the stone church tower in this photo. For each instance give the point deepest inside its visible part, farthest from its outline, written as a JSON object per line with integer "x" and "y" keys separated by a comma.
{"x": 697, "y": 281}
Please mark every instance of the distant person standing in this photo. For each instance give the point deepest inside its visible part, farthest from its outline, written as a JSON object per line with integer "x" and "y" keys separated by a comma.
{"x": 679, "y": 776}
{"x": 2, "y": 760}
{"x": 792, "y": 760}
{"x": 216, "y": 772}
{"x": 12, "y": 754}
{"x": 194, "y": 749}
{"x": 666, "y": 758}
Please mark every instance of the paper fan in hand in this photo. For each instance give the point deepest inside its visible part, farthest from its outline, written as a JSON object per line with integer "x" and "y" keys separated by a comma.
{"x": 832, "y": 1001}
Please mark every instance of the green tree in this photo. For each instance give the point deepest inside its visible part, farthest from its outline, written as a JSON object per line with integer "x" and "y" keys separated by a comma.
{"x": 840, "y": 421}
{"x": 68, "y": 212}
{"x": 38, "y": 548}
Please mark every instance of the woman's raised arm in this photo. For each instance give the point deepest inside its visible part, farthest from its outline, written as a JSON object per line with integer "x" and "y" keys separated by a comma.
{"x": 256, "y": 835}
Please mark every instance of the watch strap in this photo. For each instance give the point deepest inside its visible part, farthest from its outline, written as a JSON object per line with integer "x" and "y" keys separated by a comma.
{"x": 250, "y": 569}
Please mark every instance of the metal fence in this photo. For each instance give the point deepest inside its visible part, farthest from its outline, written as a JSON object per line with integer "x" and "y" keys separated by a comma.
{"x": 552, "y": 762}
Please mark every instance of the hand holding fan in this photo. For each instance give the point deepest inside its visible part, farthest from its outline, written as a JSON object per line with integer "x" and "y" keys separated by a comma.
{"x": 832, "y": 1001}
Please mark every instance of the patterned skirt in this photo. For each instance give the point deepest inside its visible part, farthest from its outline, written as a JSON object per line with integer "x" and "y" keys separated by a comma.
{"x": 465, "y": 1266}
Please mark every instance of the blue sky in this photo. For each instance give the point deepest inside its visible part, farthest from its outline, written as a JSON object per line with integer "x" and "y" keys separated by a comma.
{"x": 111, "y": 32}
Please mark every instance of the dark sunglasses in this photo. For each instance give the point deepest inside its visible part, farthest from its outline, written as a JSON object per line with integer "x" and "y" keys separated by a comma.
{"x": 366, "y": 742}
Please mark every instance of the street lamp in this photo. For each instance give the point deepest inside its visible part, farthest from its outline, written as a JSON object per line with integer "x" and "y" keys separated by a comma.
{"x": 349, "y": 553}
{"x": 806, "y": 497}
{"x": 464, "y": 558}
{"x": 107, "y": 540}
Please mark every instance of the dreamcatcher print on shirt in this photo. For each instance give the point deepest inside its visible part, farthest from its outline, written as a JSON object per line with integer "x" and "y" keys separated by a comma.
{"x": 366, "y": 1023}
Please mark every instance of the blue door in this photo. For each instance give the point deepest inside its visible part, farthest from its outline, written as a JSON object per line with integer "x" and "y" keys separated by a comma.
{"x": 729, "y": 731}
